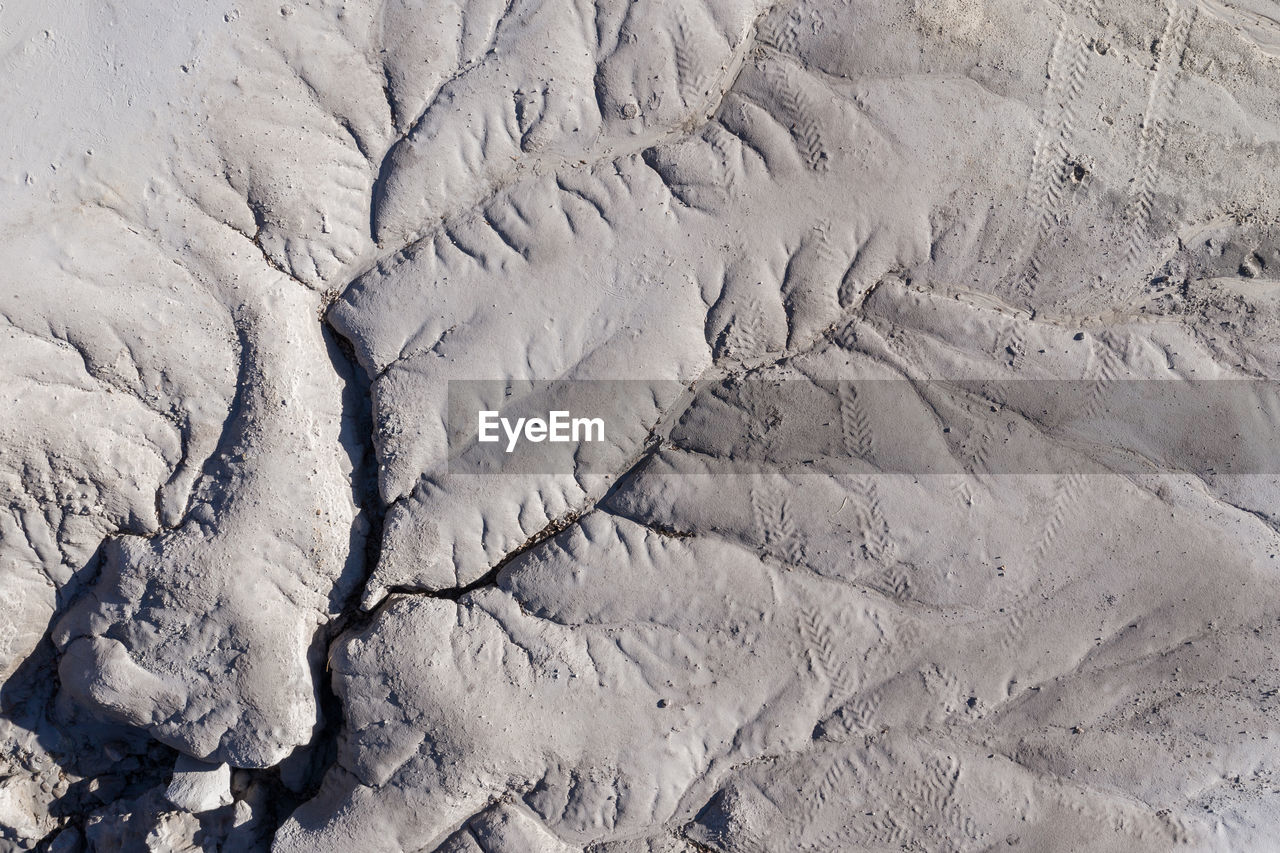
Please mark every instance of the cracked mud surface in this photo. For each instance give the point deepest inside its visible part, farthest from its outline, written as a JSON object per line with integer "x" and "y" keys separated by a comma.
{"x": 249, "y": 604}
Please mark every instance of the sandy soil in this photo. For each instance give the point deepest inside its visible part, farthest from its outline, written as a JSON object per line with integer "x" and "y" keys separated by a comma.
{"x": 897, "y": 539}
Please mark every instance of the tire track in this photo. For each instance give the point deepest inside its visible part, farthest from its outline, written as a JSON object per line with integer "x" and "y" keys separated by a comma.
{"x": 1048, "y": 186}
{"x": 1068, "y": 490}
{"x": 1154, "y": 134}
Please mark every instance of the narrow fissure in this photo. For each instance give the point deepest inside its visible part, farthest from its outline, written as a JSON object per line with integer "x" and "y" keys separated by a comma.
{"x": 357, "y": 440}
{"x": 489, "y": 578}
{"x": 299, "y": 777}
{"x": 554, "y": 528}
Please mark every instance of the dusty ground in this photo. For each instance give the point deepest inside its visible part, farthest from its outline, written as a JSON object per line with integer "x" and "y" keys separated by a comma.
{"x": 250, "y": 601}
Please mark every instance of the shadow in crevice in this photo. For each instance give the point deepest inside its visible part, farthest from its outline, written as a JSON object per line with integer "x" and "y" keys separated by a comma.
{"x": 300, "y": 776}
{"x": 356, "y": 438}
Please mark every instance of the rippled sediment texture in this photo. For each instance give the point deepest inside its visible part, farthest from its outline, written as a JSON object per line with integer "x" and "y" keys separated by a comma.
{"x": 247, "y": 605}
